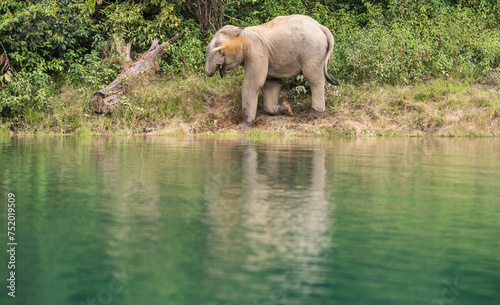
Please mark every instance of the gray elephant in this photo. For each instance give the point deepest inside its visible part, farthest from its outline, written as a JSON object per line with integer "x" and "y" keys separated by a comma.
{"x": 284, "y": 47}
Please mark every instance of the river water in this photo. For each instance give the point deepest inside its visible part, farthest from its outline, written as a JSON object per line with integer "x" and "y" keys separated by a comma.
{"x": 159, "y": 220}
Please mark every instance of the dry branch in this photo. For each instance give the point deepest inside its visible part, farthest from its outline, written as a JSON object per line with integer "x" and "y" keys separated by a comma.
{"x": 123, "y": 50}
{"x": 104, "y": 100}
{"x": 209, "y": 13}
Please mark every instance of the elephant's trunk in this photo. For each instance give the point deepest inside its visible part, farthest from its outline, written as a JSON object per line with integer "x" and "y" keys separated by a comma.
{"x": 211, "y": 66}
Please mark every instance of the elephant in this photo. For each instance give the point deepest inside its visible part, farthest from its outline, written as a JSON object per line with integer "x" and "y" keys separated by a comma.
{"x": 284, "y": 47}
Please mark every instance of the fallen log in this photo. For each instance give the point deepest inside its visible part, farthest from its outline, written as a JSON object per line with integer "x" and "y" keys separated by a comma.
{"x": 104, "y": 100}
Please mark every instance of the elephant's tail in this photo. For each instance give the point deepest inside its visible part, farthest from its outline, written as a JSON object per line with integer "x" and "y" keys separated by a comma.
{"x": 332, "y": 80}
{"x": 329, "y": 37}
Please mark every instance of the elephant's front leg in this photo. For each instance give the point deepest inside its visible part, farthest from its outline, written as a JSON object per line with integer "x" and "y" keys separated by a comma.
{"x": 270, "y": 95}
{"x": 254, "y": 81}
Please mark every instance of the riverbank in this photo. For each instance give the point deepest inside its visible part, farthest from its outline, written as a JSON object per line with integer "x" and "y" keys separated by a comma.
{"x": 199, "y": 105}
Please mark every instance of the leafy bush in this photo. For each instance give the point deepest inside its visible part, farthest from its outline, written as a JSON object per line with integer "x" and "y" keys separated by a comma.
{"x": 25, "y": 90}
{"x": 415, "y": 45}
{"x": 89, "y": 71}
{"x": 39, "y": 32}
{"x": 139, "y": 22}
{"x": 188, "y": 53}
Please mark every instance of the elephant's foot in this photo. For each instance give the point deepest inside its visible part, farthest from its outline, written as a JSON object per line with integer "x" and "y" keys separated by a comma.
{"x": 285, "y": 108}
{"x": 316, "y": 114}
{"x": 245, "y": 125}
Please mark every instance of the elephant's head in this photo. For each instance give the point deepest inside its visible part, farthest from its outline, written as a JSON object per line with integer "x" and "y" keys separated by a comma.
{"x": 225, "y": 51}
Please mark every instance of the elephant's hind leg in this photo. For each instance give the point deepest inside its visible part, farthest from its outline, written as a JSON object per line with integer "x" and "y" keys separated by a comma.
{"x": 313, "y": 72}
{"x": 270, "y": 96}
{"x": 317, "y": 84}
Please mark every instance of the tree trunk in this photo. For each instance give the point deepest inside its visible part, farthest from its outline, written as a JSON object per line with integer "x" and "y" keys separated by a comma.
{"x": 104, "y": 100}
{"x": 123, "y": 50}
{"x": 209, "y": 13}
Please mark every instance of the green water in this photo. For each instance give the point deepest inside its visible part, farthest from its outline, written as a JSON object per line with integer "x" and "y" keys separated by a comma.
{"x": 157, "y": 220}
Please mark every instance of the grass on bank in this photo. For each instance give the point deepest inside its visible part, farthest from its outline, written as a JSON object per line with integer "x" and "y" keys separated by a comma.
{"x": 196, "y": 104}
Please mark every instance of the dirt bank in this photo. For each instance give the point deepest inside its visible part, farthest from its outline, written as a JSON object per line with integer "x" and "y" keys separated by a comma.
{"x": 436, "y": 108}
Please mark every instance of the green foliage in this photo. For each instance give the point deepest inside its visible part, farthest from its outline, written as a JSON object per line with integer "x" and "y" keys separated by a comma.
{"x": 25, "y": 90}
{"x": 36, "y": 33}
{"x": 188, "y": 54}
{"x": 388, "y": 41}
{"x": 139, "y": 22}
{"x": 414, "y": 46}
{"x": 89, "y": 71}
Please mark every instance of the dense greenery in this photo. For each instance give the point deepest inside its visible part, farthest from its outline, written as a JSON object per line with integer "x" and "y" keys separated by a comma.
{"x": 49, "y": 44}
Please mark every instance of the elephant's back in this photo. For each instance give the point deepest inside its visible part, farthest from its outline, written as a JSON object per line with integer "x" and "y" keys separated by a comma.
{"x": 289, "y": 20}
{"x": 294, "y": 32}
{"x": 294, "y": 29}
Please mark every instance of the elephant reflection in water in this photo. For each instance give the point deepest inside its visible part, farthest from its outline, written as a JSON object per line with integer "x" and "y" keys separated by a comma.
{"x": 283, "y": 230}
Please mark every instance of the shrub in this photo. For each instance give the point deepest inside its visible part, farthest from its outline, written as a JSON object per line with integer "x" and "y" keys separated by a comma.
{"x": 188, "y": 53}
{"x": 416, "y": 44}
{"x": 39, "y": 32}
{"x": 25, "y": 90}
{"x": 89, "y": 71}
